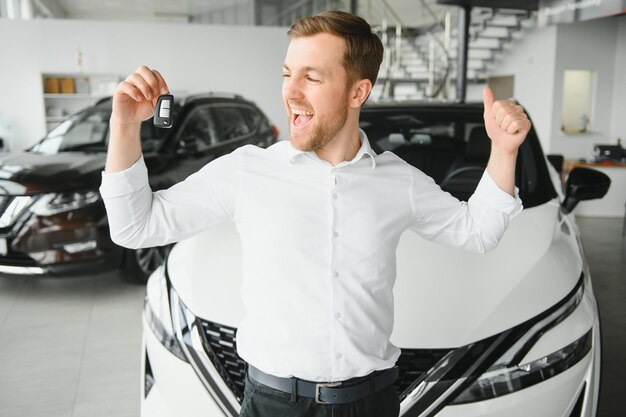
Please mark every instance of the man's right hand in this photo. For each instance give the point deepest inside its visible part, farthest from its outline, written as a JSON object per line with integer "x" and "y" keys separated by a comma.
{"x": 133, "y": 102}
{"x": 135, "y": 97}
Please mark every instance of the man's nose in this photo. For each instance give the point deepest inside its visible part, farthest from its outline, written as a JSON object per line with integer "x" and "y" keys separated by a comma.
{"x": 292, "y": 89}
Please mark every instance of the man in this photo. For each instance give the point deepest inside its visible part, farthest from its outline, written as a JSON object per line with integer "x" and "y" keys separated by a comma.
{"x": 319, "y": 216}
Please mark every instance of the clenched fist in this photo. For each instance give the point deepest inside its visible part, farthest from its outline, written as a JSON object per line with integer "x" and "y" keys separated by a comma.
{"x": 506, "y": 122}
{"x": 135, "y": 97}
{"x": 133, "y": 102}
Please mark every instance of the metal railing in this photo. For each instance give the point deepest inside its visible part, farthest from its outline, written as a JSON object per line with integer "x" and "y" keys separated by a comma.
{"x": 417, "y": 56}
{"x": 303, "y": 8}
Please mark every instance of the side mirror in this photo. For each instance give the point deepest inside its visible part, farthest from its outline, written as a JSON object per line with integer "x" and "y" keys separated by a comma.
{"x": 584, "y": 184}
{"x": 557, "y": 162}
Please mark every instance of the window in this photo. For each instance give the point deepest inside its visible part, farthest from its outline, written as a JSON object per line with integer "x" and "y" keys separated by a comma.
{"x": 230, "y": 123}
{"x": 199, "y": 129}
{"x": 256, "y": 120}
{"x": 577, "y": 100}
{"x": 151, "y": 136}
{"x": 453, "y": 148}
{"x": 85, "y": 131}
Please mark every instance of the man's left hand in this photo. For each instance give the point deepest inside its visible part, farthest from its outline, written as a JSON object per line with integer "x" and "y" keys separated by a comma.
{"x": 506, "y": 122}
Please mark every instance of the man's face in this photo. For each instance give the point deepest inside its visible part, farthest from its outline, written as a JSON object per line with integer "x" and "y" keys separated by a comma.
{"x": 315, "y": 90}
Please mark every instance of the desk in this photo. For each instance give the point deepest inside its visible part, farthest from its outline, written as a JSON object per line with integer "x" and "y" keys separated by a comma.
{"x": 612, "y": 205}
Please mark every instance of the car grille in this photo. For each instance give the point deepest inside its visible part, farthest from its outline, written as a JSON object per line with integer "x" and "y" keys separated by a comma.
{"x": 220, "y": 345}
{"x": 5, "y": 200}
{"x": 414, "y": 363}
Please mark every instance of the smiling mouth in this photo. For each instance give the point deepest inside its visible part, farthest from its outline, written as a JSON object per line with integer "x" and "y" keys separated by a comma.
{"x": 300, "y": 117}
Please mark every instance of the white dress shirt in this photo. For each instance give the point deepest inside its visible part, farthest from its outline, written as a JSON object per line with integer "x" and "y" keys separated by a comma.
{"x": 319, "y": 244}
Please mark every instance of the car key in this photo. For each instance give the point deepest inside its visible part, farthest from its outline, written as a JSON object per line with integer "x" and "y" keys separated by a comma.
{"x": 163, "y": 111}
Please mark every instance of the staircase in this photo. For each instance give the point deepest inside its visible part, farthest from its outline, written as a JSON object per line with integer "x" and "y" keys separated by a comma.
{"x": 421, "y": 63}
{"x": 420, "y": 56}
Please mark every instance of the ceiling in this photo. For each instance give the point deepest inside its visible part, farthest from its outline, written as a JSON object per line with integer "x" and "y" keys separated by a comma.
{"x": 134, "y": 9}
{"x": 502, "y": 4}
{"x": 411, "y": 12}
{"x": 180, "y": 10}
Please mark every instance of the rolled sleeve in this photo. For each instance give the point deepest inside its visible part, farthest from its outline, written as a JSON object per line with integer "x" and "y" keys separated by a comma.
{"x": 476, "y": 225}
{"x": 491, "y": 195}
{"x": 128, "y": 181}
{"x": 140, "y": 218}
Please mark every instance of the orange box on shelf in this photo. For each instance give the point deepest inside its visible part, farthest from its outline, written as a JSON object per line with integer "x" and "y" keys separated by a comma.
{"x": 52, "y": 85}
{"x": 68, "y": 86}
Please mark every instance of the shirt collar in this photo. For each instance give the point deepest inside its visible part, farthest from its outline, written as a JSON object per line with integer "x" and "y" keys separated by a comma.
{"x": 364, "y": 150}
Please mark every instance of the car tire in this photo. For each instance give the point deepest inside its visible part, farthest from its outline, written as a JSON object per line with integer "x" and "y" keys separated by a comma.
{"x": 139, "y": 264}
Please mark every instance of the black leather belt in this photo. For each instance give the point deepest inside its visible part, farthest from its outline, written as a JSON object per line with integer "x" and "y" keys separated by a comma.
{"x": 328, "y": 392}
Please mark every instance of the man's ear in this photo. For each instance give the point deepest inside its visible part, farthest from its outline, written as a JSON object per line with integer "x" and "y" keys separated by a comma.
{"x": 360, "y": 92}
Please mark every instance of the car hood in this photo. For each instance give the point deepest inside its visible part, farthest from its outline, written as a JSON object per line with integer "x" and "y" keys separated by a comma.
{"x": 26, "y": 172}
{"x": 444, "y": 297}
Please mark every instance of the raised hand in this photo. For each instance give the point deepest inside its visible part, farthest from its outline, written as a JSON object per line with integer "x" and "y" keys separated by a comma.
{"x": 506, "y": 122}
{"x": 133, "y": 102}
{"x": 135, "y": 97}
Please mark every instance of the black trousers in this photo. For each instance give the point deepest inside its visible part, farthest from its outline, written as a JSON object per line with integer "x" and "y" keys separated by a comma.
{"x": 262, "y": 401}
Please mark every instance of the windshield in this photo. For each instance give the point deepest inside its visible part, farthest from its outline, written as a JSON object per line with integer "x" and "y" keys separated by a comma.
{"x": 88, "y": 131}
{"x": 451, "y": 146}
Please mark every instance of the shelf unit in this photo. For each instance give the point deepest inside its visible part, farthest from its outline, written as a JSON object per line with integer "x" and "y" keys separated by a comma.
{"x": 67, "y": 93}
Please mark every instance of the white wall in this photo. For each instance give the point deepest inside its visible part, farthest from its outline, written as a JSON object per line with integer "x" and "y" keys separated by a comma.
{"x": 195, "y": 58}
{"x": 618, "y": 125}
{"x": 589, "y": 45}
{"x": 531, "y": 61}
{"x": 247, "y": 60}
{"x": 538, "y": 62}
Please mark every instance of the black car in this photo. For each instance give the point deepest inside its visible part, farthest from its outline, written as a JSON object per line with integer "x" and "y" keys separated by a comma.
{"x": 52, "y": 218}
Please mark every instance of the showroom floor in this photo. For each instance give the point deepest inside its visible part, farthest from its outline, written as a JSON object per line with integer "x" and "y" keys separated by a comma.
{"x": 71, "y": 347}
{"x": 606, "y": 252}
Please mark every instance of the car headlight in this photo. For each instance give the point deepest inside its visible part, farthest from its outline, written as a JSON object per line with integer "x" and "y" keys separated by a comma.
{"x": 496, "y": 382}
{"x": 493, "y": 366}
{"x": 53, "y": 203}
{"x": 157, "y": 313}
{"x": 507, "y": 375}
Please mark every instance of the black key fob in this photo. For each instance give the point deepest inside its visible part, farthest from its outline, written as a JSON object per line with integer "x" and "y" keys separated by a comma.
{"x": 163, "y": 111}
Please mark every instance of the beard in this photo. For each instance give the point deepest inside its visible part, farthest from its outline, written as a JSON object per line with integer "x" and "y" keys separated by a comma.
{"x": 321, "y": 132}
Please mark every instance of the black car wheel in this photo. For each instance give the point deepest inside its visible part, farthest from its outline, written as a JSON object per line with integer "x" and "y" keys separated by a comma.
{"x": 140, "y": 263}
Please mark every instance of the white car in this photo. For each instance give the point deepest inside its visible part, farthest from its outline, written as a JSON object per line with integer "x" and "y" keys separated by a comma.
{"x": 514, "y": 332}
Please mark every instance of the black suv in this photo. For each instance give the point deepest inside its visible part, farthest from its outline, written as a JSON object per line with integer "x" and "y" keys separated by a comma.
{"x": 52, "y": 219}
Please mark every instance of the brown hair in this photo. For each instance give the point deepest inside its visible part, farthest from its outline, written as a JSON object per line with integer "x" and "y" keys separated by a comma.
{"x": 364, "y": 50}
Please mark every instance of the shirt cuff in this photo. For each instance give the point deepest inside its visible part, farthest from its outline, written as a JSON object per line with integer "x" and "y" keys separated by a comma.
{"x": 130, "y": 180}
{"x": 490, "y": 194}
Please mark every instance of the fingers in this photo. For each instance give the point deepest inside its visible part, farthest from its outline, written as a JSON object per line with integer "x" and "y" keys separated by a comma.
{"x": 130, "y": 90}
{"x": 164, "y": 89}
{"x": 513, "y": 121}
{"x": 488, "y": 100}
{"x": 144, "y": 84}
{"x": 513, "y": 126}
{"x": 510, "y": 117}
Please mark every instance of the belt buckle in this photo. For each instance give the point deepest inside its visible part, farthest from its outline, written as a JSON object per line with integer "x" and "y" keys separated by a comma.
{"x": 318, "y": 387}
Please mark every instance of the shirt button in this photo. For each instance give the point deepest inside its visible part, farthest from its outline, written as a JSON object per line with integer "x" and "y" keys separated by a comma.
{"x": 335, "y": 234}
{"x": 335, "y": 196}
{"x": 335, "y": 274}
{"x": 337, "y": 315}
{"x": 337, "y": 355}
